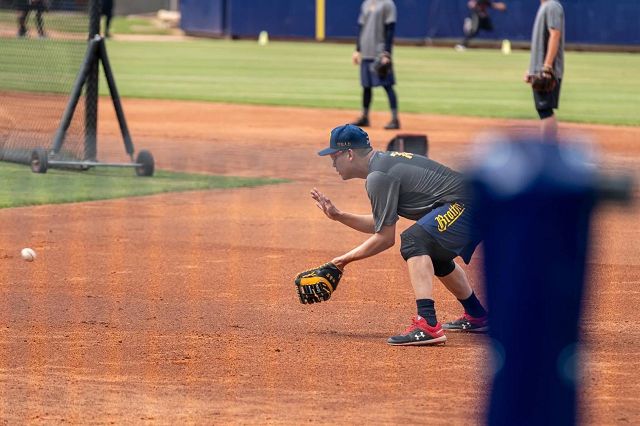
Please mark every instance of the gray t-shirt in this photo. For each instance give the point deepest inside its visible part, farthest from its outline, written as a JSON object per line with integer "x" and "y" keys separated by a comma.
{"x": 550, "y": 15}
{"x": 374, "y": 15}
{"x": 409, "y": 185}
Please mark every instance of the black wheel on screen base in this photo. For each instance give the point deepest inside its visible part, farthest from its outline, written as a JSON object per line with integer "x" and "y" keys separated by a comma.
{"x": 145, "y": 163}
{"x": 39, "y": 160}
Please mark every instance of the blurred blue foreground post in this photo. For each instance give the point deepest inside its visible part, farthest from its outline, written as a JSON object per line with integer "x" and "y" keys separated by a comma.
{"x": 534, "y": 208}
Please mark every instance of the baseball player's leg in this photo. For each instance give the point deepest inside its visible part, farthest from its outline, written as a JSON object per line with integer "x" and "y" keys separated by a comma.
{"x": 450, "y": 227}
{"x": 107, "y": 31}
{"x": 549, "y": 128}
{"x": 393, "y": 106}
{"x": 457, "y": 283}
{"x": 545, "y": 103}
{"x": 421, "y": 276}
{"x": 22, "y": 21}
{"x": 465, "y": 42}
{"x": 425, "y": 259}
{"x": 367, "y": 93}
{"x": 425, "y": 328}
{"x": 470, "y": 28}
{"x": 39, "y": 20}
{"x": 107, "y": 10}
{"x": 440, "y": 263}
{"x": 475, "y": 316}
{"x": 367, "y": 97}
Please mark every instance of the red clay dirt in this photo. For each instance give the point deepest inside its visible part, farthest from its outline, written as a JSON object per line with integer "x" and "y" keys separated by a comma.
{"x": 179, "y": 308}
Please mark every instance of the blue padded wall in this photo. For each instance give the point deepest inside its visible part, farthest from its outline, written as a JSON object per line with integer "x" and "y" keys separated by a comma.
{"x": 588, "y": 21}
{"x": 203, "y": 16}
{"x": 281, "y": 18}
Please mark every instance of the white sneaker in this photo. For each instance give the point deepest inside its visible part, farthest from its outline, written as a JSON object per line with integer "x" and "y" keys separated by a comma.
{"x": 460, "y": 48}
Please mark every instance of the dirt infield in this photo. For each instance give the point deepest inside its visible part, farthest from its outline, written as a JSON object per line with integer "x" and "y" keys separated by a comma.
{"x": 181, "y": 308}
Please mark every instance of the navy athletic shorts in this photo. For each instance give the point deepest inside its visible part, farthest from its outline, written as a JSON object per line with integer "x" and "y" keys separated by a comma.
{"x": 547, "y": 100}
{"x": 369, "y": 78}
{"x": 450, "y": 225}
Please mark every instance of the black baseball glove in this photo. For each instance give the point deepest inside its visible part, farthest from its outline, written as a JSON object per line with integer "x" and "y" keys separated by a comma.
{"x": 382, "y": 64}
{"x": 544, "y": 81}
{"x": 317, "y": 284}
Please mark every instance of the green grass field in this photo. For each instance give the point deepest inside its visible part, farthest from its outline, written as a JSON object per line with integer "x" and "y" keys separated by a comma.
{"x": 598, "y": 87}
{"x": 137, "y": 25}
{"x": 21, "y": 187}
{"x": 66, "y": 22}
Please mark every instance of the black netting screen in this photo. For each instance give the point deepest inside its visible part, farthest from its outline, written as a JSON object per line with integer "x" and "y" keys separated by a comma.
{"x": 42, "y": 47}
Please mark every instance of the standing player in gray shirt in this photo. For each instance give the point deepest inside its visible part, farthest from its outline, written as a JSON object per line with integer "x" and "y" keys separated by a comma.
{"x": 376, "y": 25}
{"x": 419, "y": 189}
{"x": 547, "y": 56}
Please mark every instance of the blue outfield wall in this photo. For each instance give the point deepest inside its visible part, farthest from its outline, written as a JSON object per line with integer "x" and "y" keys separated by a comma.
{"x": 280, "y": 18}
{"x": 247, "y": 18}
{"x": 588, "y": 21}
{"x": 342, "y": 18}
{"x": 203, "y": 17}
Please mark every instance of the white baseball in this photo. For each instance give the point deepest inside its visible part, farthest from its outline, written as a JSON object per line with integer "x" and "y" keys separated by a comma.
{"x": 28, "y": 254}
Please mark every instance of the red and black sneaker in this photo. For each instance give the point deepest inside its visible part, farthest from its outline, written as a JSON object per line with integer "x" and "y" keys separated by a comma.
{"x": 469, "y": 324}
{"x": 419, "y": 333}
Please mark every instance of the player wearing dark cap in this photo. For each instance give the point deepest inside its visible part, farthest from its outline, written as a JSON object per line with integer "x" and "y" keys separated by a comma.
{"x": 422, "y": 190}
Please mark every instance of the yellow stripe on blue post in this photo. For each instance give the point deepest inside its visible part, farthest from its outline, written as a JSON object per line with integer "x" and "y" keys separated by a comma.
{"x": 320, "y": 19}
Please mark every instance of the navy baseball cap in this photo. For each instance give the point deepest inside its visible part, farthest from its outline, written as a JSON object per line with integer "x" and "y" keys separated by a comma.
{"x": 346, "y": 137}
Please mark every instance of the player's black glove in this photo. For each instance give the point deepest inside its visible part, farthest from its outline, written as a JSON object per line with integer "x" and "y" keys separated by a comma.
{"x": 382, "y": 65}
{"x": 544, "y": 81}
{"x": 317, "y": 284}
